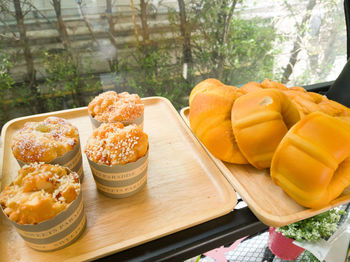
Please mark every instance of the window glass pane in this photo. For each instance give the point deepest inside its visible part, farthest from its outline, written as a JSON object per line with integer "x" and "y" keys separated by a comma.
{"x": 59, "y": 54}
{"x": 312, "y": 41}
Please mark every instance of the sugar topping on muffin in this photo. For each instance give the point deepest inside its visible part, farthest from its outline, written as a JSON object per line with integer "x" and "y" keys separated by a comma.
{"x": 113, "y": 107}
{"x": 44, "y": 141}
{"x": 39, "y": 193}
{"x": 116, "y": 144}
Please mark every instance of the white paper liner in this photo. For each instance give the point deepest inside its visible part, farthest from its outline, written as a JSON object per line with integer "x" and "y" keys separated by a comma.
{"x": 72, "y": 159}
{"x": 120, "y": 181}
{"x": 138, "y": 121}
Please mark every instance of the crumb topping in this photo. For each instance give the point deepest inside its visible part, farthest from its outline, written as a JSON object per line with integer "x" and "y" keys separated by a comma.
{"x": 39, "y": 193}
{"x": 112, "y": 107}
{"x": 116, "y": 144}
{"x": 44, "y": 141}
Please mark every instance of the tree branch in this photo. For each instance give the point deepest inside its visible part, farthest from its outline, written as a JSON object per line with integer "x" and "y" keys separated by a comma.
{"x": 88, "y": 25}
{"x": 41, "y": 14}
{"x": 6, "y": 9}
{"x": 228, "y": 20}
{"x": 288, "y": 70}
{"x": 134, "y": 20}
{"x": 61, "y": 26}
{"x": 9, "y": 29}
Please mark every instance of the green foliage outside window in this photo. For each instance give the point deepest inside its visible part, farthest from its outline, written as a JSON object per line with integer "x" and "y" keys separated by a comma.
{"x": 13, "y": 95}
{"x": 6, "y": 80}
{"x": 154, "y": 75}
{"x": 6, "y": 83}
{"x": 194, "y": 40}
{"x": 229, "y": 47}
{"x": 65, "y": 83}
{"x": 247, "y": 50}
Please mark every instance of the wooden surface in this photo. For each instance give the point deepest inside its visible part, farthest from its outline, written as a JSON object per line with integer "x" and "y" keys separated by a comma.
{"x": 266, "y": 200}
{"x": 184, "y": 188}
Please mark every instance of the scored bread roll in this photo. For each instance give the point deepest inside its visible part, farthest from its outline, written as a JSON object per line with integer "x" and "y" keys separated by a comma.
{"x": 260, "y": 119}
{"x": 306, "y": 102}
{"x": 210, "y": 119}
{"x": 312, "y": 162}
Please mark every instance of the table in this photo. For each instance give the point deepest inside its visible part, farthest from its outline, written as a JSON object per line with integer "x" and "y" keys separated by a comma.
{"x": 195, "y": 240}
{"x": 204, "y": 237}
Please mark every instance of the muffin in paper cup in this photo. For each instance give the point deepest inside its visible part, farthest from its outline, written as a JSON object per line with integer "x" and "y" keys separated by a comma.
{"x": 120, "y": 181}
{"x": 111, "y": 107}
{"x": 118, "y": 158}
{"x": 53, "y": 141}
{"x": 72, "y": 159}
{"x": 55, "y": 233}
{"x": 138, "y": 121}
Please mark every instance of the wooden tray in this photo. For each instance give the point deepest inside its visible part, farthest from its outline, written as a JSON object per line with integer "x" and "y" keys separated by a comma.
{"x": 184, "y": 188}
{"x": 267, "y": 200}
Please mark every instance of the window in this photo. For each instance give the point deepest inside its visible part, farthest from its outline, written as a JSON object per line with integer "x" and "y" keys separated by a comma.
{"x": 58, "y": 54}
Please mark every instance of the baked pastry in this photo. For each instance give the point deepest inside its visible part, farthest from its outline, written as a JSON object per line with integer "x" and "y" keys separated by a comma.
{"x": 322, "y": 142}
{"x": 260, "y": 119}
{"x": 250, "y": 87}
{"x": 110, "y": 107}
{"x": 39, "y": 193}
{"x": 306, "y": 102}
{"x": 118, "y": 158}
{"x": 268, "y": 83}
{"x": 210, "y": 119}
{"x": 44, "y": 141}
{"x": 116, "y": 144}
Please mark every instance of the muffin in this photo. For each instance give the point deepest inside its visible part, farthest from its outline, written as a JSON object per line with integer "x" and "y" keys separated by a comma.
{"x": 118, "y": 158}
{"x": 44, "y": 203}
{"x": 53, "y": 140}
{"x": 110, "y": 107}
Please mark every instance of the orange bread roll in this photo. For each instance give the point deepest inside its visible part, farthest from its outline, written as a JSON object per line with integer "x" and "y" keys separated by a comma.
{"x": 210, "y": 119}
{"x": 306, "y": 102}
{"x": 267, "y": 83}
{"x": 250, "y": 87}
{"x": 322, "y": 142}
{"x": 260, "y": 119}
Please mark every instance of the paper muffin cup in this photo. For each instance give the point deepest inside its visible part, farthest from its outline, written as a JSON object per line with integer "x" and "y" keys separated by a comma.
{"x": 120, "y": 181}
{"x": 72, "y": 159}
{"x": 58, "y": 232}
{"x": 138, "y": 121}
